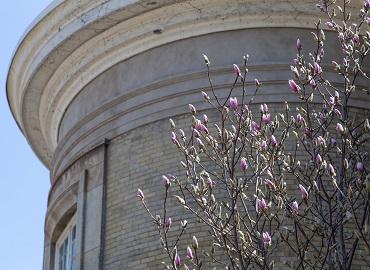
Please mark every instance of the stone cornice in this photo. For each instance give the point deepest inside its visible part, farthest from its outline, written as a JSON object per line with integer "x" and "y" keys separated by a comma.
{"x": 75, "y": 41}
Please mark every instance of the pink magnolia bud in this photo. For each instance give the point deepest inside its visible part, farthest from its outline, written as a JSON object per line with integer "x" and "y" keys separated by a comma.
{"x": 266, "y": 238}
{"x": 200, "y": 127}
{"x": 270, "y": 184}
{"x": 189, "y": 253}
{"x": 264, "y": 109}
{"x": 293, "y": 86}
{"x": 339, "y": 128}
{"x": 205, "y": 95}
{"x": 298, "y": 44}
{"x": 317, "y": 69}
{"x": 210, "y": 183}
{"x": 196, "y": 133}
{"x": 338, "y": 113}
{"x": 261, "y": 205}
{"x": 205, "y": 119}
{"x": 243, "y": 164}
{"x": 331, "y": 170}
{"x": 331, "y": 100}
{"x": 304, "y": 192}
{"x": 173, "y": 136}
{"x": 329, "y": 24}
{"x": 273, "y": 141}
{"x": 360, "y": 166}
{"x": 140, "y": 194}
{"x": 192, "y": 109}
{"x": 182, "y": 133}
{"x": 320, "y": 141}
{"x": 177, "y": 260}
{"x": 168, "y": 223}
{"x": 233, "y": 102}
{"x": 263, "y": 145}
{"x": 255, "y": 128}
{"x": 237, "y": 70}
{"x": 318, "y": 159}
{"x": 200, "y": 143}
{"x": 257, "y": 82}
{"x": 266, "y": 118}
{"x": 366, "y": 4}
{"x": 295, "y": 207}
{"x": 299, "y": 119}
{"x": 166, "y": 181}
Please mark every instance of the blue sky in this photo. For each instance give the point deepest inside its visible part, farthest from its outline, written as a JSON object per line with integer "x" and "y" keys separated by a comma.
{"x": 24, "y": 179}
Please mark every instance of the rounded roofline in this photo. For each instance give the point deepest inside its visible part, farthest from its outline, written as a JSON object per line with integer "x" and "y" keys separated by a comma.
{"x": 67, "y": 46}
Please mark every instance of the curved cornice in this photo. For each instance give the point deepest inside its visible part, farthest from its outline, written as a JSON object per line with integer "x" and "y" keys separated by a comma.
{"x": 75, "y": 41}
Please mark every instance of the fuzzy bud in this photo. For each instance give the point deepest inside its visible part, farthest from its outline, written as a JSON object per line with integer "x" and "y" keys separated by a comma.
{"x": 243, "y": 164}
{"x": 140, "y": 194}
{"x": 304, "y": 192}
{"x": 233, "y": 102}
{"x": 294, "y": 86}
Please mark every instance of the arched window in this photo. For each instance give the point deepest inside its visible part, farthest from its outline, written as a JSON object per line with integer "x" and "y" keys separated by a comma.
{"x": 66, "y": 249}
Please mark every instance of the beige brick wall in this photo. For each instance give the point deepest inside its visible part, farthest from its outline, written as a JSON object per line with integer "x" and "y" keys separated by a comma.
{"x": 137, "y": 159}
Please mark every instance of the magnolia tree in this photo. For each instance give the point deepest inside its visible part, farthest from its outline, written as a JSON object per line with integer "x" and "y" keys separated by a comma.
{"x": 292, "y": 183}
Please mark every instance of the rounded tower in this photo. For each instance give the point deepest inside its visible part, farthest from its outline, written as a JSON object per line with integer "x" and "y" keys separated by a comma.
{"x": 92, "y": 85}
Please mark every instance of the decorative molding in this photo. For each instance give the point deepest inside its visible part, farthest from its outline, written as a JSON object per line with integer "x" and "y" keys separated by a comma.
{"x": 72, "y": 44}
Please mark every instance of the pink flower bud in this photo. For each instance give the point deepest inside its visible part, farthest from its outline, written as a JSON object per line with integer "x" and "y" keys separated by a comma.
{"x": 331, "y": 170}
{"x": 273, "y": 141}
{"x": 318, "y": 159}
{"x": 266, "y": 238}
{"x": 263, "y": 145}
{"x": 182, "y": 133}
{"x": 299, "y": 119}
{"x": 262, "y": 205}
{"x": 168, "y": 223}
{"x": 255, "y": 127}
{"x": 196, "y": 133}
{"x": 338, "y": 113}
{"x": 200, "y": 143}
{"x": 266, "y": 118}
{"x": 189, "y": 253}
{"x": 233, "y": 102}
{"x": 295, "y": 207}
{"x": 264, "y": 109}
{"x": 366, "y": 4}
{"x": 140, "y": 194}
{"x": 192, "y": 109}
{"x": 360, "y": 166}
{"x": 329, "y": 24}
{"x": 205, "y": 119}
{"x": 331, "y": 100}
{"x": 237, "y": 70}
{"x": 210, "y": 183}
{"x": 243, "y": 164}
{"x": 339, "y": 128}
{"x": 166, "y": 181}
{"x": 304, "y": 192}
{"x": 317, "y": 69}
{"x": 205, "y": 95}
{"x": 257, "y": 82}
{"x": 293, "y": 86}
{"x": 270, "y": 184}
{"x": 320, "y": 141}
{"x": 173, "y": 136}
{"x": 177, "y": 260}
{"x": 298, "y": 44}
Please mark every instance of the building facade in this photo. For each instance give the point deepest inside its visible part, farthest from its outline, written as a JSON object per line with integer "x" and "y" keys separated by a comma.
{"x": 92, "y": 85}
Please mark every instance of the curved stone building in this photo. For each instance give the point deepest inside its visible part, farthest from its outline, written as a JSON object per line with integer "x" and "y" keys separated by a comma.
{"x": 92, "y": 85}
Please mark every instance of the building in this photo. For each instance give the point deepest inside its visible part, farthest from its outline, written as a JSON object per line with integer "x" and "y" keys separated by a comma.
{"x": 92, "y": 85}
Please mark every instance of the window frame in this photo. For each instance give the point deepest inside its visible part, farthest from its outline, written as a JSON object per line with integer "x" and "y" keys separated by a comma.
{"x": 68, "y": 241}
